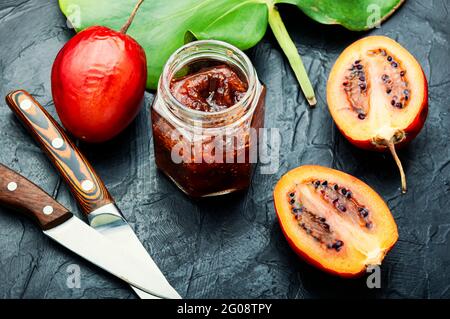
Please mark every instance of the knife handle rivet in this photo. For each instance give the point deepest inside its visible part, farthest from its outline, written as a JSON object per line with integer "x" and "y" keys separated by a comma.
{"x": 57, "y": 142}
{"x": 87, "y": 185}
{"x": 25, "y": 104}
{"x": 12, "y": 186}
{"x": 48, "y": 210}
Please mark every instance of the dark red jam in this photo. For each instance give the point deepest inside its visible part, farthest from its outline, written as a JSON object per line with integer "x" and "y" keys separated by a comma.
{"x": 211, "y": 88}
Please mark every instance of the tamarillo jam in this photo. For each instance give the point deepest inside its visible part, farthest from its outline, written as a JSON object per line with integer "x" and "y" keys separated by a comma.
{"x": 206, "y": 118}
{"x": 211, "y": 89}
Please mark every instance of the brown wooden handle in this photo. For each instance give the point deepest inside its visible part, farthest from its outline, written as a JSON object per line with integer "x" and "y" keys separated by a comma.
{"x": 85, "y": 185}
{"x": 22, "y": 195}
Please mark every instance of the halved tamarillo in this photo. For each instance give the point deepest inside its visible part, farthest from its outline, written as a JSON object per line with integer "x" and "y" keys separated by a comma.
{"x": 334, "y": 220}
{"x": 377, "y": 94}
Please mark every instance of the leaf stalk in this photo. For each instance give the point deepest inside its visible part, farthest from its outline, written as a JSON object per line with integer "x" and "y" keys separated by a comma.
{"x": 289, "y": 48}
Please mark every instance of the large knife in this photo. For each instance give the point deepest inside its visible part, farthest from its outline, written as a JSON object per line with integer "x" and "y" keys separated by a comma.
{"x": 86, "y": 186}
{"x": 59, "y": 224}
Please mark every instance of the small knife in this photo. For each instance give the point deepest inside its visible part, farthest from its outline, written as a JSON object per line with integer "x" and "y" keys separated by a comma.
{"x": 59, "y": 224}
{"x": 86, "y": 186}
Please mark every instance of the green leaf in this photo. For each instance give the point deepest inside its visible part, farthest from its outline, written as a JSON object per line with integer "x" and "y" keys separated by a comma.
{"x": 162, "y": 26}
{"x": 356, "y": 15}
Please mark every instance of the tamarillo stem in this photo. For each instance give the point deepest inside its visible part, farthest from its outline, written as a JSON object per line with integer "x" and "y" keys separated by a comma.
{"x": 391, "y": 147}
{"x": 125, "y": 27}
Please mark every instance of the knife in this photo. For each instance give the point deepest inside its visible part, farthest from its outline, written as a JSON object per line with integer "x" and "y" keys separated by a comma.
{"x": 85, "y": 185}
{"x": 60, "y": 225}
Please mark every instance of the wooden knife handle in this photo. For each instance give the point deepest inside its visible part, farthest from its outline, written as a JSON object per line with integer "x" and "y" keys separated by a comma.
{"x": 22, "y": 195}
{"x": 85, "y": 185}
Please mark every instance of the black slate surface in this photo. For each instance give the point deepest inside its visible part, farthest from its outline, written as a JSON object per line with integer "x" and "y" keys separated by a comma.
{"x": 233, "y": 246}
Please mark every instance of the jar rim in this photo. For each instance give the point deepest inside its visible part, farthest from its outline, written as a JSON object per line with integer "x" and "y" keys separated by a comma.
{"x": 250, "y": 73}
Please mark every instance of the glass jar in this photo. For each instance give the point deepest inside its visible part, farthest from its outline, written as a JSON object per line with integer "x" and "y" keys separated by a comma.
{"x": 207, "y": 153}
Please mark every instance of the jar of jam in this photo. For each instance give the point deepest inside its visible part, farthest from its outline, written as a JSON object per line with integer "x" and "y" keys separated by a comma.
{"x": 205, "y": 118}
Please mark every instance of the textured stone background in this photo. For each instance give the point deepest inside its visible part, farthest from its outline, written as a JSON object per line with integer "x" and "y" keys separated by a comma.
{"x": 233, "y": 246}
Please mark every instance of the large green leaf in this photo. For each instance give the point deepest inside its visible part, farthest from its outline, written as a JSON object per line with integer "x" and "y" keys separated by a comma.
{"x": 161, "y": 26}
{"x": 356, "y": 15}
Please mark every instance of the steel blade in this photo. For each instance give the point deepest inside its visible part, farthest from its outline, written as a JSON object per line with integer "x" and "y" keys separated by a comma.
{"x": 108, "y": 221}
{"x": 96, "y": 248}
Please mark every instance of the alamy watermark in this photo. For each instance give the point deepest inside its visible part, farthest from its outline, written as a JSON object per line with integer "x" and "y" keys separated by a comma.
{"x": 73, "y": 280}
{"x": 374, "y": 279}
{"x": 374, "y": 18}
{"x": 229, "y": 147}
{"x": 73, "y": 16}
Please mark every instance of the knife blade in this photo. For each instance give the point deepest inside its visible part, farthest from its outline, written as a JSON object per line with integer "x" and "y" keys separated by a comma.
{"x": 109, "y": 221}
{"x": 60, "y": 225}
{"x": 86, "y": 186}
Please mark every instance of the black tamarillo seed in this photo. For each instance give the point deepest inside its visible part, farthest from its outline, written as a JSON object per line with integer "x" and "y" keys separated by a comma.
{"x": 324, "y": 183}
{"x": 362, "y": 78}
{"x": 364, "y": 212}
{"x": 399, "y": 105}
{"x": 357, "y": 61}
{"x": 292, "y": 201}
{"x": 349, "y": 195}
{"x": 292, "y": 194}
{"x": 343, "y": 191}
{"x": 393, "y": 102}
{"x": 369, "y": 225}
{"x": 406, "y": 97}
{"x": 359, "y": 67}
{"x": 335, "y": 201}
{"x": 317, "y": 184}
{"x": 361, "y": 116}
{"x": 402, "y": 73}
{"x": 389, "y": 58}
{"x": 336, "y": 187}
{"x": 385, "y": 77}
{"x": 345, "y": 83}
{"x": 342, "y": 208}
{"x": 323, "y": 219}
{"x": 362, "y": 86}
{"x": 394, "y": 64}
{"x": 388, "y": 91}
{"x": 406, "y": 92}
{"x": 338, "y": 244}
{"x": 329, "y": 246}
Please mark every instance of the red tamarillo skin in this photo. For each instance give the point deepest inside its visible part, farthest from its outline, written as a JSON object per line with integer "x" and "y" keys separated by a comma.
{"x": 98, "y": 83}
{"x": 377, "y": 94}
